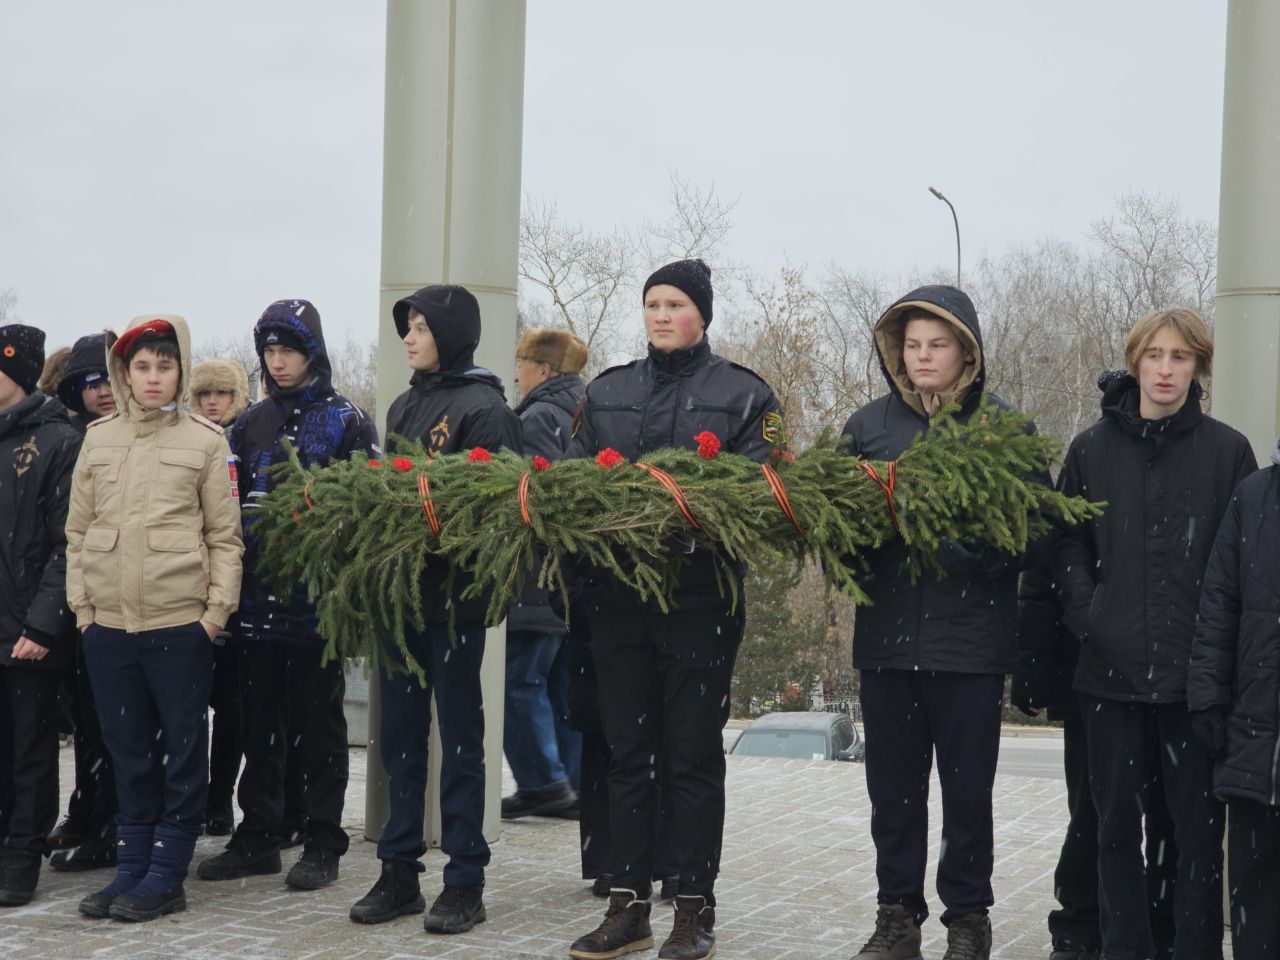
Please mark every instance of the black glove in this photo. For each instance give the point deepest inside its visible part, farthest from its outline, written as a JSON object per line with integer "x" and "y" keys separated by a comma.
{"x": 1210, "y": 728}
{"x": 1026, "y": 689}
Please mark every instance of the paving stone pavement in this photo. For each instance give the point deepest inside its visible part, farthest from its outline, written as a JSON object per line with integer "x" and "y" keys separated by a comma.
{"x": 797, "y": 883}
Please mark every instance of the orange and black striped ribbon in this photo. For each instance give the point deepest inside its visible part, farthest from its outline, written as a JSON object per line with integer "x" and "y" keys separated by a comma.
{"x": 524, "y": 499}
{"x": 780, "y": 494}
{"x": 428, "y": 508}
{"x": 870, "y": 471}
{"x": 682, "y": 502}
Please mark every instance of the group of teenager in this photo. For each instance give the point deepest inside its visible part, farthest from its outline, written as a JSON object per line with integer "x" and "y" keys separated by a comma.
{"x": 1152, "y": 629}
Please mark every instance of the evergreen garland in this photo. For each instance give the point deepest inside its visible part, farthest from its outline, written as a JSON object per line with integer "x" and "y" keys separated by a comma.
{"x": 359, "y": 535}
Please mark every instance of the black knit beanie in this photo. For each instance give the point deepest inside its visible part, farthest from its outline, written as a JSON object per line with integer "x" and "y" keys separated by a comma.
{"x": 691, "y": 276}
{"x": 22, "y": 355}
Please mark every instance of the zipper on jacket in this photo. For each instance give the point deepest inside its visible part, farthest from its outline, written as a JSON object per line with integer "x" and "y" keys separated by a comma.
{"x": 1191, "y": 526}
{"x": 1275, "y": 761}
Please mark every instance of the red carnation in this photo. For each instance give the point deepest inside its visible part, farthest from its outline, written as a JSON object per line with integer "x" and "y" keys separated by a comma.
{"x": 401, "y": 464}
{"x": 541, "y": 463}
{"x": 781, "y": 456}
{"x": 608, "y": 458}
{"x": 479, "y": 455}
{"x": 374, "y": 463}
{"x": 708, "y": 445}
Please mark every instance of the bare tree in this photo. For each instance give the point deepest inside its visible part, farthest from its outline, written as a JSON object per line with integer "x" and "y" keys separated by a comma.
{"x": 355, "y": 373}
{"x": 9, "y": 306}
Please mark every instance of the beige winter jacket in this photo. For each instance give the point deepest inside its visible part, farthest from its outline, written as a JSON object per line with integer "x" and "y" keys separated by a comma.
{"x": 153, "y": 529}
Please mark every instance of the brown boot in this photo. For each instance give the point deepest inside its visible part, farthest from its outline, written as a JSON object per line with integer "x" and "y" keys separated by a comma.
{"x": 969, "y": 937}
{"x": 692, "y": 937}
{"x": 625, "y": 929}
{"x": 896, "y": 937}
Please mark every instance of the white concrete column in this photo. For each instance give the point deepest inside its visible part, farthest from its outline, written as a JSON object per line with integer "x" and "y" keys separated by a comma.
{"x": 1246, "y": 382}
{"x": 451, "y": 214}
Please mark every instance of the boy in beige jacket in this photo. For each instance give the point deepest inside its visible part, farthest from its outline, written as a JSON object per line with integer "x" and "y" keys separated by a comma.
{"x": 153, "y": 573}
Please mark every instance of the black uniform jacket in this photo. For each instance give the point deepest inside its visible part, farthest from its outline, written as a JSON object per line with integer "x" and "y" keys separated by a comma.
{"x": 1235, "y": 657}
{"x": 1130, "y": 579}
{"x": 665, "y": 400}
{"x": 38, "y": 449}
{"x": 458, "y": 407}
{"x": 965, "y": 622}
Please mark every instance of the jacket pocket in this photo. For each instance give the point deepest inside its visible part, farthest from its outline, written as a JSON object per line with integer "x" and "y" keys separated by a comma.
{"x": 99, "y": 571}
{"x": 175, "y": 569}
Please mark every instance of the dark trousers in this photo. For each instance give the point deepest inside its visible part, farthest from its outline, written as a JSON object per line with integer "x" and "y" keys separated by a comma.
{"x": 1253, "y": 855}
{"x": 1134, "y": 750}
{"x": 152, "y": 691}
{"x": 908, "y": 716}
{"x": 453, "y": 673}
{"x": 283, "y": 687}
{"x": 225, "y": 750}
{"x": 92, "y": 804}
{"x": 664, "y": 680}
{"x": 593, "y": 820}
{"x": 6, "y": 763}
{"x": 1075, "y": 881}
{"x": 32, "y": 693}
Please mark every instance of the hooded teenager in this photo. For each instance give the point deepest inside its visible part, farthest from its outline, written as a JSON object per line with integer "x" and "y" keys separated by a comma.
{"x": 37, "y": 638}
{"x": 674, "y": 666}
{"x": 85, "y": 387}
{"x": 283, "y": 684}
{"x": 451, "y": 405}
{"x": 153, "y": 573}
{"x": 1130, "y": 582}
{"x": 219, "y": 391}
{"x": 543, "y": 751}
{"x": 932, "y": 651}
{"x": 86, "y": 838}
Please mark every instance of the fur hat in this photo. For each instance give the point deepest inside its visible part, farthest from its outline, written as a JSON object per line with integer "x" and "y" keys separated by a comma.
{"x": 220, "y": 374}
{"x": 559, "y": 349}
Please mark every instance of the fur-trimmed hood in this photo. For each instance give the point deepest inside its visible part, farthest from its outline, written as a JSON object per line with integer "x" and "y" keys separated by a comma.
{"x": 220, "y": 374}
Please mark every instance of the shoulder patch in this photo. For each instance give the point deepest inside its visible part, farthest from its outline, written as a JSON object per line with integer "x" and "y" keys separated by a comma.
{"x": 206, "y": 423}
{"x": 107, "y": 419}
{"x": 772, "y": 428}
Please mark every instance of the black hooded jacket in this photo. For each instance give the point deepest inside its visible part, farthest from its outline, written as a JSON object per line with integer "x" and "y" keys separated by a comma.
{"x": 546, "y": 424}
{"x": 39, "y": 449}
{"x": 88, "y": 355}
{"x": 456, "y": 407}
{"x": 1235, "y": 656}
{"x": 322, "y": 425}
{"x": 1130, "y": 580}
{"x": 665, "y": 400}
{"x": 965, "y": 622}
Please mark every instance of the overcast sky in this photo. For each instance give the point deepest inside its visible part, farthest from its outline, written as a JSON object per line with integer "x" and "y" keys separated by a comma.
{"x": 207, "y": 158}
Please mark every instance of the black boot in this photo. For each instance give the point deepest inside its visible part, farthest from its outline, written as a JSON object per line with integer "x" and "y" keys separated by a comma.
{"x": 395, "y": 894}
{"x": 548, "y": 802}
{"x": 161, "y": 890}
{"x": 19, "y": 874}
{"x": 219, "y": 821}
{"x": 602, "y": 885}
{"x": 96, "y": 852}
{"x": 133, "y": 856}
{"x": 625, "y": 929}
{"x": 1064, "y": 949}
{"x": 67, "y": 834}
{"x": 240, "y": 859}
{"x": 316, "y": 868}
{"x": 456, "y": 910}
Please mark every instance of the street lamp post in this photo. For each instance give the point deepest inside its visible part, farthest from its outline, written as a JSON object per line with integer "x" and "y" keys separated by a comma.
{"x": 956, "y": 220}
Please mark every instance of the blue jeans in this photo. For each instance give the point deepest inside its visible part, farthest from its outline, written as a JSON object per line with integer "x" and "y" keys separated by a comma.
{"x": 541, "y": 748}
{"x": 453, "y": 671}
